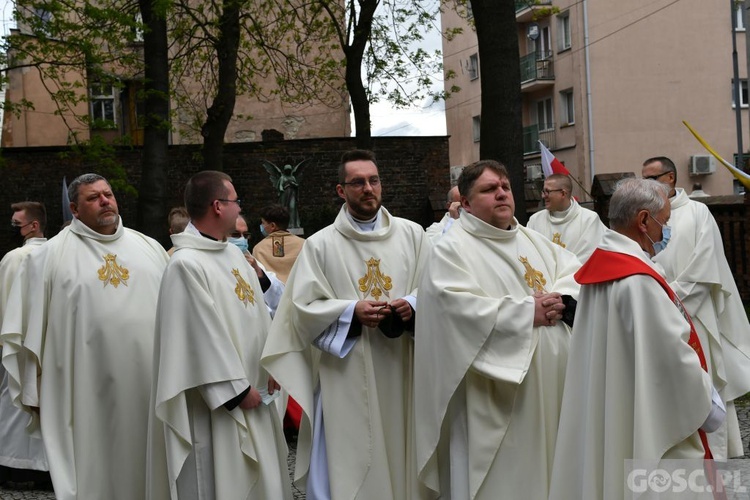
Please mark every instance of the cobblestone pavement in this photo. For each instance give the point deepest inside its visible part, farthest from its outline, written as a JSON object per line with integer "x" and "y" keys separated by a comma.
{"x": 26, "y": 491}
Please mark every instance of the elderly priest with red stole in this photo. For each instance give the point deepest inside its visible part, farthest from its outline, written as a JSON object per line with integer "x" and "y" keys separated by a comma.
{"x": 636, "y": 387}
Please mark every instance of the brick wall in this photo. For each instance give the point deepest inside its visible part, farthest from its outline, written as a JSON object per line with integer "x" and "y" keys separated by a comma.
{"x": 415, "y": 172}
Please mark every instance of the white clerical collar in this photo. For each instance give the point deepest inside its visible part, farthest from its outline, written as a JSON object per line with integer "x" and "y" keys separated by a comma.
{"x": 563, "y": 213}
{"x": 82, "y": 229}
{"x": 365, "y": 226}
{"x": 34, "y": 241}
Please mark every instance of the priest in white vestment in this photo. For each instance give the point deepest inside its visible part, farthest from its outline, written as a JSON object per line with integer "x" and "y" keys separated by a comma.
{"x": 697, "y": 270}
{"x": 18, "y": 449}
{"x": 564, "y": 221}
{"x": 341, "y": 345}
{"x": 491, "y": 349}
{"x": 221, "y": 438}
{"x": 453, "y": 204}
{"x": 78, "y": 340}
{"x": 634, "y": 388}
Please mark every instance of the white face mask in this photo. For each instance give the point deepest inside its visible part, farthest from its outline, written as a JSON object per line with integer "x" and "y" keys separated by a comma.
{"x": 263, "y": 230}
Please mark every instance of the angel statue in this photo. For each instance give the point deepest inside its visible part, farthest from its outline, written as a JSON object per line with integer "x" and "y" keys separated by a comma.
{"x": 286, "y": 181}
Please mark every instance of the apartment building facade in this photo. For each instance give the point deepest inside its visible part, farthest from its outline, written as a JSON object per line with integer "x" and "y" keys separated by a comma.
{"x": 607, "y": 84}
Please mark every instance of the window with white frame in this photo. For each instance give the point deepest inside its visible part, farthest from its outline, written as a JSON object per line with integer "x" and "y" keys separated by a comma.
{"x": 567, "y": 107}
{"x": 563, "y": 29}
{"x": 476, "y": 127}
{"x": 743, "y": 93}
{"x": 544, "y": 117}
{"x": 544, "y": 43}
{"x": 102, "y": 103}
{"x": 473, "y": 66}
{"x": 739, "y": 5}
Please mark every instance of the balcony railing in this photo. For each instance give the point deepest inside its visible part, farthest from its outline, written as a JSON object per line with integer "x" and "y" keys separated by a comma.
{"x": 532, "y": 135}
{"x": 537, "y": 65}
{"x": 526, "y": 10}
{"x": 530, "y": 4}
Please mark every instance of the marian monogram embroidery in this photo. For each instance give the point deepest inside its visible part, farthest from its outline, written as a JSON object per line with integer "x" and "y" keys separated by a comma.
{"x": 535, "y": 279}
{"x": 112, "y": 273}
{"x": 243, "y": 290}
{"x": 556, "y": 239}
{"x": 374, "y": 282}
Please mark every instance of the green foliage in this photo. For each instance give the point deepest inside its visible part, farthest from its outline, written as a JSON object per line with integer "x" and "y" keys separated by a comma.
{"x": 289, "y": 50}
{"x": 100, "y": 157}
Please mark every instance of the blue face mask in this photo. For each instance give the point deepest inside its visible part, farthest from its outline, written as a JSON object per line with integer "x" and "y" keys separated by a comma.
{"x": 666, "y": 233}
{"x": 240, "y": 243}
{"x": 263, "y": 230}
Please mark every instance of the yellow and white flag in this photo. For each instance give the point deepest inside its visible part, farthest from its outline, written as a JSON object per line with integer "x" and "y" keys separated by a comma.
{"x": 739, "y": 174}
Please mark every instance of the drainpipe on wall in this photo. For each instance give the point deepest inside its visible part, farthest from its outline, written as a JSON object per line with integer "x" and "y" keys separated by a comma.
{"x": 588, "y": 88}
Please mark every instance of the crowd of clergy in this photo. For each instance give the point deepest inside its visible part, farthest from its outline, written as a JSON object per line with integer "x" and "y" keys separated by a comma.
{"x": 477, "y": 359}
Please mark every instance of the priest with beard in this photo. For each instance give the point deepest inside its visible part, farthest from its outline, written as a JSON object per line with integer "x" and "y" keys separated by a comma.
{"x": 78, "y": 340}
{"x": 341, "y": 344}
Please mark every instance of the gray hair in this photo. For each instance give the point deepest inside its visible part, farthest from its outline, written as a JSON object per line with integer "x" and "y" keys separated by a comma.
{"x": 83, "y": 180}
{"x": 633, "y": 195}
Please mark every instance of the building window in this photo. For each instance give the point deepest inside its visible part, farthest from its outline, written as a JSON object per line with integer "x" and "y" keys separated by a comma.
{"x": 743, "y": 93}
{"x": 103, "y": 111}
{"x": 473, "y": 66}
{"x": 544, "y": 118}
{"x": 563, "y": 29}
{"x": 567, "y": 107}
{"x": 476, "y": 127}
{"x": 740, "y": 15}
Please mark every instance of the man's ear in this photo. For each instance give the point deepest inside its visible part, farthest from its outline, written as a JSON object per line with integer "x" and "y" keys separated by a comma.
{"x": 642, "y": 220}
{"x": 74, "y": 209}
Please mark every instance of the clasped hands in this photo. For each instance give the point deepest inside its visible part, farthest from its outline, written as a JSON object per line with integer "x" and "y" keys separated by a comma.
{"x": 548, "y": 308}
{"x": 371, "y": 312}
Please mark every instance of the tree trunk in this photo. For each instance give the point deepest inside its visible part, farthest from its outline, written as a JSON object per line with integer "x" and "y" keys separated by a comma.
{"x": 152, "y": 212}
{"x": 354, "y": 56}
{"x": 501, "y": 132}
{"x": 222, "y": 107}
{"x": 360, "y": 104}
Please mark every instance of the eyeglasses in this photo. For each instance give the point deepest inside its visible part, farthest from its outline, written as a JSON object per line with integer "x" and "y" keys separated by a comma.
{"x": 238, "y": 234}
{"x": 20, "y": 226}
{"x": 548, "y": 191}
{"x": 237, "y": 201}
{"x": 654, "y": 177}
{"x": 360, "y": 183}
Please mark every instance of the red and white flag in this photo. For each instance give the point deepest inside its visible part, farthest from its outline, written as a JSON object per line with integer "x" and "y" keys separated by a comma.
{"x": 550, "y": 164}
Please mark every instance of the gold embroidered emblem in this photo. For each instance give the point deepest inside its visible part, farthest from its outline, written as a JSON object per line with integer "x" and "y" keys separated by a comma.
{"x": 556, "y": 239}
{"x": 112, "y": 273}
{"x": 374, "y": 282}
{"x": 243, "y": 290}
{"x": 535, "y": 279}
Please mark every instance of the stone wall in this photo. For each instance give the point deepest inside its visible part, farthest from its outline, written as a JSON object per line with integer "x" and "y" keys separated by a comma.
{"x": 415, "y": 173}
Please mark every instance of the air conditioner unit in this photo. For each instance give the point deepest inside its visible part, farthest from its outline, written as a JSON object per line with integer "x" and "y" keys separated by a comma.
{"x": 702, "y": 164}
{"x": 533, "y": 172}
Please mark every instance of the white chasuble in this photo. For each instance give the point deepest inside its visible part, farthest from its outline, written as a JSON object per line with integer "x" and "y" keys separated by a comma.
{"x": 18, "y": 449}
{"x": 577, "y": 229}
{"x": 697, "y": 270}
{"x": 634, "y": 387}
{"x": 366, "y": 396}
{"x": 211, "y": 327}
{"x": 78, "y": 344}
{"x": 488, "y": 384}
